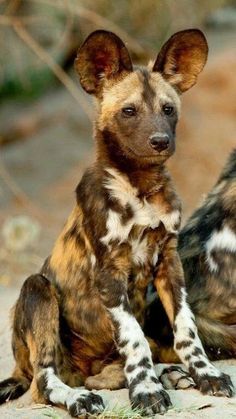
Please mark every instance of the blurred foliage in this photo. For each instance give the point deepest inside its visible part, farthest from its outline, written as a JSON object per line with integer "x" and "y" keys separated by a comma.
{"x": 151, "y": 21}
{"x": 58, "y": 26}
{"x": 21, "y": 71}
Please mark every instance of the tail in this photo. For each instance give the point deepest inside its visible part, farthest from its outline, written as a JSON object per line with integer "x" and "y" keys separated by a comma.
{"x": 219, "y": 339}
{"x": 13, "y": 387}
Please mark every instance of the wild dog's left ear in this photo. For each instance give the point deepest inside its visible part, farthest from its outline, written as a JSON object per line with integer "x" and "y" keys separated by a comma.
{"x": 182, "y": 58}
{"x": 102, "y": 55}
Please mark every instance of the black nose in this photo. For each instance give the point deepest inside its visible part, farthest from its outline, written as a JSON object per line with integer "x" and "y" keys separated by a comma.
{"x": 160, "y": 141}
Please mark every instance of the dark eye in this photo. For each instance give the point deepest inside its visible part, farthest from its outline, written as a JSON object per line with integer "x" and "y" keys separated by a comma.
{"x": 129, "y": 111}
{"x": 168, "y": 109}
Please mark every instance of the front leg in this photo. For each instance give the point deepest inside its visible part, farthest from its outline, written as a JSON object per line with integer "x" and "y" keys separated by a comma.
{"x": 170, "y": 286}
{"x": 145, "y": 390}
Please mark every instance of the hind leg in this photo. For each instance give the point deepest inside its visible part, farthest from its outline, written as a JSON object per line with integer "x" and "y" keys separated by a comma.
{"x": 38, "y": 311}
{"x": 19, "y": 382}
{"x": 111, "y": 377}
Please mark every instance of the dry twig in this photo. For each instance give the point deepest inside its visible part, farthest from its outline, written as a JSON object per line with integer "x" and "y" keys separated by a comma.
{"x": 23, "y": 199}
{"x": 17, "y": 192}
{"x": 68, "y": 25}
{"x": 99, "y": 21}
{"x": 25, "y": 36}
{"x": 9, "y": 20}
{"x": 12, "y": 6}
{"x": 56, "y": 69}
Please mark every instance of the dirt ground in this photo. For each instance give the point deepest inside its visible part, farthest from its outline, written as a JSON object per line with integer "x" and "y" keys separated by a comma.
{"x": 48, "y": 165}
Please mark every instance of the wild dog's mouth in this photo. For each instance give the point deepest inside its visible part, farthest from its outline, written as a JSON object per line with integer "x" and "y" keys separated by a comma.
{"x": 154, "y": 154}
{"x": 125, "y": 148}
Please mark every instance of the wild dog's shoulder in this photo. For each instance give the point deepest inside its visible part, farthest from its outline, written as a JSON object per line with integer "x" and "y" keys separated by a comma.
{"x": 229, "y": 171}
{"x": 92, "y": 194}
{"x": 89, "y": 188}
{"x": 228, "y": 179}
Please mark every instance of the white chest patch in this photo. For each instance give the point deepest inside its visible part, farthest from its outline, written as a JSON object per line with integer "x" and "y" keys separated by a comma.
{"x": 145, "y": 215}
{"x": 224, "y": 239}
{"x": 115, "y": 229}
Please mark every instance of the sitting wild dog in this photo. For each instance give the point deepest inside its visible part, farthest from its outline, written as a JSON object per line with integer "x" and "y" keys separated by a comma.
{"x": 208, "y": 251}
{"x": 75, "y": 317}
{"x": 207, "y": 247}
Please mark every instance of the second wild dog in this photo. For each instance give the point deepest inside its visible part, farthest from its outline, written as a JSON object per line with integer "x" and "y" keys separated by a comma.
{"x": 207, "y": 248}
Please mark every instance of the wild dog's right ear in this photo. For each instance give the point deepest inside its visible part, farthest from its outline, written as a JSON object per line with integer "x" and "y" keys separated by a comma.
{"x": 182, "y": 58}
{"x": 102, "y": 55}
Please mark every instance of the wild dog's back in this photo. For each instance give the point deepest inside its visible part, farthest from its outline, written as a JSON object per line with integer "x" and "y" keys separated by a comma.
{"x": 207, "y": 247}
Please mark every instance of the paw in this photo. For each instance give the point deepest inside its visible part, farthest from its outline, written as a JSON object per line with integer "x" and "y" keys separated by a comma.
{"x": 150, "y": 398}
{"x": 174, "y": 378}
{"x": 85, "y": 403}
{"x": 221, "y": 386}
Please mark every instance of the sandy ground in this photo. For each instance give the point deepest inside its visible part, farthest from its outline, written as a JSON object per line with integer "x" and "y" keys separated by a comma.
{"x": 186, "y": 404}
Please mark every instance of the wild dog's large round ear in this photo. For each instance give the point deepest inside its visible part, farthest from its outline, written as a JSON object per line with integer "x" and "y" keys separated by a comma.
{"x": 102, "y": 55}
{"x": 182, "y": 58}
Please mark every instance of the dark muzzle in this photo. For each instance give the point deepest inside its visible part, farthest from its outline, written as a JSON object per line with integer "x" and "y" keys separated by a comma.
{"x": 159, "y": 141}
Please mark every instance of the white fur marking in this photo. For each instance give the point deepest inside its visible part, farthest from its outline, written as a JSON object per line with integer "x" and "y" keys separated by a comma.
{"x": 60, "y": 392}
{"x": 171, "y": 220}
{"x": 224, "y": 239}
{"x": 147, "y": 386}
{"x": 184, "y": 323}
{"x": 93, "y": 260}
{"x": 130, "y": 331}
{"x": 139, "y": 251}
{"x": 145, "y": 214}
{"x": 115, "y": 230}
{"x": 155, "y": 257}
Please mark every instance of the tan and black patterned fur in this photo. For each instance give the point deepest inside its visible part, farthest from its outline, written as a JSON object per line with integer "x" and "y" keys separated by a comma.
{"x": 210, "y": 273}
{"x": 74, "y": 322}
{"x": 214, "y": 222}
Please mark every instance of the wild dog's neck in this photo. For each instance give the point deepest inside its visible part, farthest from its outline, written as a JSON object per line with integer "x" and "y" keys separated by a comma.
{"x": 148, "y": 179}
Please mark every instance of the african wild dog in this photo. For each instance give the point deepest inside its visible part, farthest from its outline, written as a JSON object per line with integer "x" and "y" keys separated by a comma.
{"x": 74, "y": 319}
{"x": 207, "y": 247}
{"x": 208, "y": 252}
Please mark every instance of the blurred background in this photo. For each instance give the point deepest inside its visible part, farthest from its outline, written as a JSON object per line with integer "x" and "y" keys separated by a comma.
{"x": 45, "y": 118}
